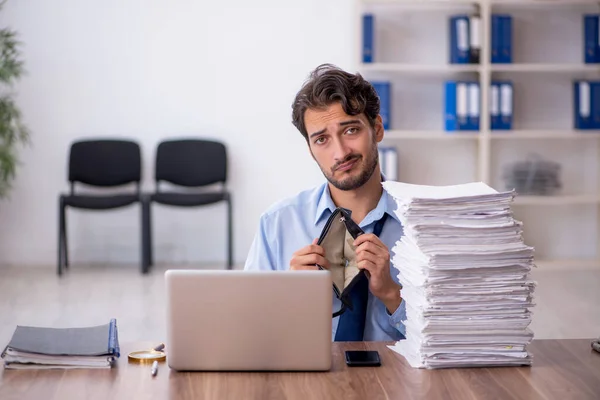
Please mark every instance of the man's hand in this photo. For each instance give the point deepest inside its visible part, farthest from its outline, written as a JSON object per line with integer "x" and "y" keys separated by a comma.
{"x": 374, "y": 257}
{"x": 307, "y": 257}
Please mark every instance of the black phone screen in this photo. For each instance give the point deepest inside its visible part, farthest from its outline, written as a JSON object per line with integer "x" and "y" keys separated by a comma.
{"x": 356, "y": 358}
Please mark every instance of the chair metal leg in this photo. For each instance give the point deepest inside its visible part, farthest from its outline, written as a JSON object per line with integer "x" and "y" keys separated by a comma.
{"x": 65, "y": 239}
{"x": 145, "y": 252}
{"x": 61, "y": 227}
{"x": 150, "y": 247}
{"x": 229, "y": 235}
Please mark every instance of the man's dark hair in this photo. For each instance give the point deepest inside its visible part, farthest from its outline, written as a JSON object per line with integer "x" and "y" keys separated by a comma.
{"x": 328, "y": 84}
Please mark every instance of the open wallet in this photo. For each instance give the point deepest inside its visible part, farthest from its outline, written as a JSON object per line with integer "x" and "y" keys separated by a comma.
{"x": 336, "y": 239}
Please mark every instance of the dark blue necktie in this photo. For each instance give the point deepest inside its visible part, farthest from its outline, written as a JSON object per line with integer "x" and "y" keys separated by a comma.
{"x": 351, "y": 325}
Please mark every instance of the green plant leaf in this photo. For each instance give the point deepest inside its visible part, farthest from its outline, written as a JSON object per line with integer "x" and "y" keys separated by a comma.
{"x": 13, "y": 132}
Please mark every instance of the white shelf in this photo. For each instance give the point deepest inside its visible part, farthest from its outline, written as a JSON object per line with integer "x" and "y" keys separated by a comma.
{"x": 420, "y": 69}
{"x": 526, "y": 3}
{"x": 425, "y": 69}
{"x": 546, "y": 68}
{"x": 494, "y": 135}
{"x": 541, "y": 3}
{"x": 430, "y": 135}
{"x": 557, "y": 200}
{"x": 544, "y": 134}
{"x": 433, "y": 4}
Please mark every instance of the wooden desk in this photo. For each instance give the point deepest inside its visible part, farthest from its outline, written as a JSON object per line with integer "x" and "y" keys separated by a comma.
{"x": 563, "y": 369}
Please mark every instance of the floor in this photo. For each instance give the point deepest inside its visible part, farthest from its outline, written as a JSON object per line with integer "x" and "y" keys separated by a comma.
{"x": 567, "y": 302}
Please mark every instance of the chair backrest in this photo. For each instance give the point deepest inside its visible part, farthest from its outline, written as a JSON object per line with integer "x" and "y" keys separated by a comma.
{"x": 191, "y": 162}
{"x": 109, "y": 162}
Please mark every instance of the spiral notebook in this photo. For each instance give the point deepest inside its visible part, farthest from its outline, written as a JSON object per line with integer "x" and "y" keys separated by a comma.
{"x": 64, "y": 348}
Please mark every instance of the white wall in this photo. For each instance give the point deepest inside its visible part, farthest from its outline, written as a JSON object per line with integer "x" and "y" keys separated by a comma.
{"x": 229, "y": 70}
{"x": 155, "y": 69}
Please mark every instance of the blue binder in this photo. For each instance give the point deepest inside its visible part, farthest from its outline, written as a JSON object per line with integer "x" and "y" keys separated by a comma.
{"x": 506, "y": 39}
{"x": 582, "y": 105}
{"x": 456, "y": 116}
{"x": 495, "y": 31}
{"x": 382, "y": 160}
{"x": 368, "y": 38}
{"x": 450, "y": 120}
{"x": 474, "y": 39}
{"x": 384, "y": 91}
{"x": 595, "y": 100}
{"x": 590, "y": 39}
{"x": 495, "y": 105}
{"x": 473, "y": 106}
{"x": 389, "y": 162}
{"x": 506, "y": 105}
{"x": 459, "y": 39}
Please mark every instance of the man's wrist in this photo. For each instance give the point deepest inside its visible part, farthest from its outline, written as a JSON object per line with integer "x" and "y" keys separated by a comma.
{"x": 392, "y": 299}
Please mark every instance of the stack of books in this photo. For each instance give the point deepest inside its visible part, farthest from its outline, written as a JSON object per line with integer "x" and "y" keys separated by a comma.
{"x": 464, "y": 271}
{"x": 62, "y": 348}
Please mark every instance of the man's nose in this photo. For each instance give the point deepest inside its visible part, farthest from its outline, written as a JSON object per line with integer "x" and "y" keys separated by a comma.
{"x": 341, "y": 150}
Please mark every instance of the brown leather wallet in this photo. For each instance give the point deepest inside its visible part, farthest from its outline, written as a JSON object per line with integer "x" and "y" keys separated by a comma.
{"x": 336, "y": 239}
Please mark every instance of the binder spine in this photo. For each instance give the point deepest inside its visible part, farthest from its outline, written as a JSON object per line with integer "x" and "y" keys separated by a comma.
{"x": 391, "y": 159}
{"x": 462, "y": 106}
{"x": 506, "y": 105}
{"x": 506, "y": 41}
{"x": 474, "y": 39}
{"x": 381, "y": 152}
{"x": 582, "y": 105}
{"x": 450, "y": 106}
{"x": 591, "y": 39}
{"x": 495, "y": 56}
{"x": 113, "y": 339}
{"x": 452, "y": 43}
{"x": 383, "y": 90}
{"x": 368, "y": 27}
{"x": 459, "y": 40}
{"x": 595, "y": 102}
{"x": 473, "y": 106}
{"x": 494, "y": 106}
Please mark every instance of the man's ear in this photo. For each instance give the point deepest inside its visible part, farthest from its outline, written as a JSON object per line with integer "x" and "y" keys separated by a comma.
{"x": 378, "y": 128}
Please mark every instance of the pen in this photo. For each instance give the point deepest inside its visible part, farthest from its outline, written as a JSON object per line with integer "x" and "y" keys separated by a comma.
{"x": 154, "y": 368}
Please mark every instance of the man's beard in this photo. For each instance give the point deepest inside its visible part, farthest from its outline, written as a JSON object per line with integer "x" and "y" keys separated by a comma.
{"x": 354, "y": 182}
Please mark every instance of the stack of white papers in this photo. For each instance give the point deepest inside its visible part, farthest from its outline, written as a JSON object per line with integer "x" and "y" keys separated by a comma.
{"x": 464, "y": 271}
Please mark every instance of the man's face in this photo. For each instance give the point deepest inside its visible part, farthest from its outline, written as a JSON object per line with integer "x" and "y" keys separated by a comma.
{"x": 344, "y": 146}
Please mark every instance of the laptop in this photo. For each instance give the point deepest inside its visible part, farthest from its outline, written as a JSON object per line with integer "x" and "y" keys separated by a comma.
{"x": 248, "y": 320}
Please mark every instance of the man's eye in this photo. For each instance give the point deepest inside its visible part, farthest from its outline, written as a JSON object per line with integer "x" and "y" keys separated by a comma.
{"x": 320, "y": 140}
{"x": 352, "y": 130}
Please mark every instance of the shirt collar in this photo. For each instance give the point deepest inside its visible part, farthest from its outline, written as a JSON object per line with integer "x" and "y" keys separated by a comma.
{"x": 325, "y": 203}
{"x": 386, "y": 204}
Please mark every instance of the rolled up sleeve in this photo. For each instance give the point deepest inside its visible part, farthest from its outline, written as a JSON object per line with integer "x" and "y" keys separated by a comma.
{"x": 398, "y": 317}
{"x": 263, "y": 249}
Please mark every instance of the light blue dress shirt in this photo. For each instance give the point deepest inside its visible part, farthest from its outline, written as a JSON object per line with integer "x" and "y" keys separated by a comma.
{"x": 293, "y": 223}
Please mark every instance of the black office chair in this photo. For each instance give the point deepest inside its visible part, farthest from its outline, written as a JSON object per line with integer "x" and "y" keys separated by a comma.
{"x": 191, "y": 163}
{"x": 100, "y": 163}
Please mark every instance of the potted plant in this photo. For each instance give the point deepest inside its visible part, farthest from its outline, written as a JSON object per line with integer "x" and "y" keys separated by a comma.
{"x": 13, "y": 132}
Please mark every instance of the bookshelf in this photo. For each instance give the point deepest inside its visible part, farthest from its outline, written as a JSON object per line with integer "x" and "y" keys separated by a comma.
{"x": 547, "y": 56}
{"x": 429, "y": 135}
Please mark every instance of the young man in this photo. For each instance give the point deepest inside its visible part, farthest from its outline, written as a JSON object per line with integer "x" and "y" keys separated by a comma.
{"x": 338, "y": 115}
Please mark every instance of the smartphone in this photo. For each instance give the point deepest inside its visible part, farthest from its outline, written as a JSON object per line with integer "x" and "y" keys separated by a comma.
{"x": 362, "y": 358}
